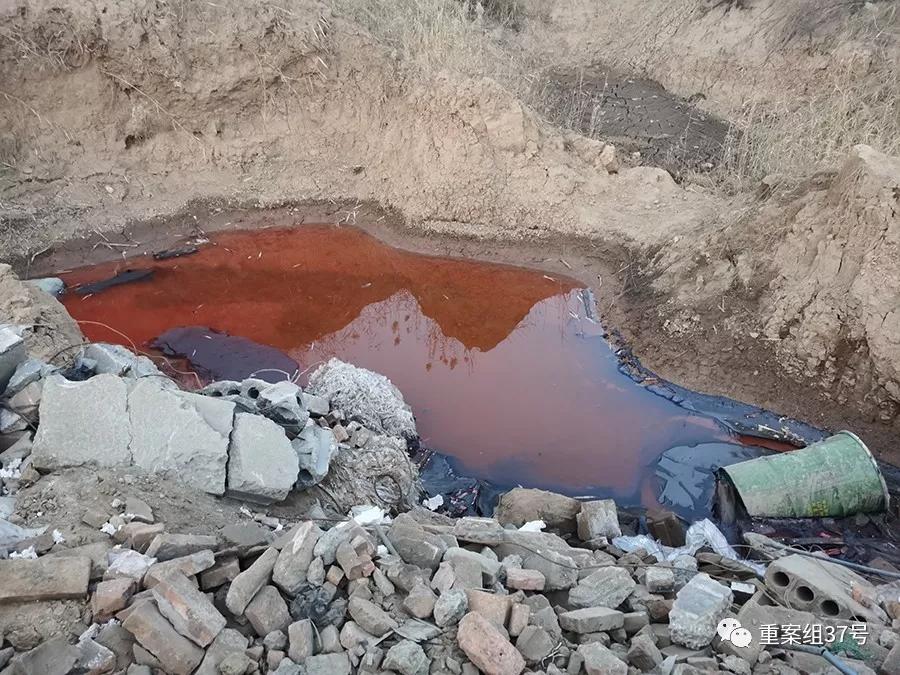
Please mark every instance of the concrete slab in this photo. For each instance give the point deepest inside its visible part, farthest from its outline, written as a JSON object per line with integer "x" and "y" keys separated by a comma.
{"x": 180, "y": 433}
{"x": 262, "y": 465}
{"x": 47, "y": 578}
{"x": 82, "y": 423}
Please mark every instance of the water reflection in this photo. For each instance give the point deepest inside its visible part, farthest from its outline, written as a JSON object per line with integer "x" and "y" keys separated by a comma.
{"x": 501, "y": 365}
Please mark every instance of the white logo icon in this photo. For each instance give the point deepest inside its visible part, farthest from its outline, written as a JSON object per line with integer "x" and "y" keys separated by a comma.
{"x": 730, "y": 630}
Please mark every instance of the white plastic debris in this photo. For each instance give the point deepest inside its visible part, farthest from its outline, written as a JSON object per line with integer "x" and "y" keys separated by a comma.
{"x": 702, "y": 533}
{"x": 533, "y": 526}
{"x": 58, "y": 537}
{"x": 27, "y": 554}
{"x": 124, "y": 562}
{"x": 369, "y": 515}
{"x": 108, "y": 528}
{"x": 12, "y": 470}
{"x": 433, "y": 503}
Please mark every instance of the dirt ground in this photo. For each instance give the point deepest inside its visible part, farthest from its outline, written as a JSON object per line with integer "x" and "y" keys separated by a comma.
{"x": 145, "y": 118}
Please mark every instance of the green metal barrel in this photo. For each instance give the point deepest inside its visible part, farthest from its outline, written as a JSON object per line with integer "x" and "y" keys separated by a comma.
{"x": 834, "y": 477}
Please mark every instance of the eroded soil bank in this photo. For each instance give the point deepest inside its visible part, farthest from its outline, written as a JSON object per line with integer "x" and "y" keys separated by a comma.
{"x": 785, "y": 296}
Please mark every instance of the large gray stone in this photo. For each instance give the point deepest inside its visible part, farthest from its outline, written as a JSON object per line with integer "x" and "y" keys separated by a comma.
{"x": 406, "y": 658}
{"x": 415, "y": 545}
{"x": 598, "y": 660}
{"x": 180, "y": 433}
{"x": 474, "y": 530}
{"x": 228, "y": 642}
{"x": 643, "y": 653}
{"x": 302, "y": 640}
{"x": 328, "y": 664}
{"x": 521, "y": 505}
{"x": 327, "y": 545}
{"x": 188, "y": 609}
{"x": 367, "y": 396}
{"x": 268, "y": 611}
{"x": 607, "y": 587}
{"x": 117, "y": 360}
{"x": 598, "y": 519}
{"x": 47, "y": 578}
{"x": 315, "y": 446}
{"x": 535, "y": 644}
{"x": 12, "y": 353}
{"x": 450, "y": 607}
{"x": 247, "y": 583}
{"x": 28, "y": 372}
{"x": 53, "y": 657}
{"x": 458, "y": 557}
{"x": 295, "y": 558}
{"x": 592, "y": 620}
{"x": 82, "y": 423}
{"x": 175, "y": 652}
{"x": 560, "y": 571}
{"x": 697, "y": 610}
{"x": 262, "y": 465}
{"x": 318, "y": 406}
{"x": 281, "y": 403}
{"x": 370, "y": 617}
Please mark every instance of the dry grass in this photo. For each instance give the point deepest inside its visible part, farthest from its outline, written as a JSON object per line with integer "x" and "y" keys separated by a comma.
{"x": 855, "y": 99}
{"x": 430, "y": 35}
{"x": 796, "y": 137}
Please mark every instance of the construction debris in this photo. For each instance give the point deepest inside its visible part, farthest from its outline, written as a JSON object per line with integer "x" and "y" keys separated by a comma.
{"x": 376, "y": 583}
{"x": 255, "y": 440}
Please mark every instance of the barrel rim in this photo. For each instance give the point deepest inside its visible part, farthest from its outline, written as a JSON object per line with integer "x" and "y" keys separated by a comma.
{"x": 884, "y": 488}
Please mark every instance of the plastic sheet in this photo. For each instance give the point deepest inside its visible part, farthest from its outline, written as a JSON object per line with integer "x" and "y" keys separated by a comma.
{"x": 703, "y": 533}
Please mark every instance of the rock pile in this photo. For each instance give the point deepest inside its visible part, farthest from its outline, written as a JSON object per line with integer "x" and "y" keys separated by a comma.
{"x": 549, "y": 585}
{"x": 252, "y": 440}
{"x": 420, "y": 594}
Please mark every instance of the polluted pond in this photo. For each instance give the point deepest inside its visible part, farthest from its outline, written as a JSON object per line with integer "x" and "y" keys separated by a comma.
{"x": 507, "y": 370}
{"x": 300, "y": 452}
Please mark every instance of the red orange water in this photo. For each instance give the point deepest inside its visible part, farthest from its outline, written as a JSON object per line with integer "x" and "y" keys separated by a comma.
{"x": 500, "y": 364}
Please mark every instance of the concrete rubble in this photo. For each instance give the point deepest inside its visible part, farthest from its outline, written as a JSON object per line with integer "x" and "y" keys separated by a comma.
{"x": 473, "y": 607}
{"x": 253, "y": 440}
{"x": 363, "y": 590}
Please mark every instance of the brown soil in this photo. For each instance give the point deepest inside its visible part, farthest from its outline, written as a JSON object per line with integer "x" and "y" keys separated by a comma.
{"x": 132, "y": 117}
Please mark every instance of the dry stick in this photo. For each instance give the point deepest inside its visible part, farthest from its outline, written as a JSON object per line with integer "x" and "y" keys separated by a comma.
{"x": 42, "y": 120}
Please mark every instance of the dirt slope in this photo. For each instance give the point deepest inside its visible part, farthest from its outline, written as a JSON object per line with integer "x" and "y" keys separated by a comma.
{"x": 144, "y": 111}
{"x": 113, "y": 113}
{"x": 810, "y": 276}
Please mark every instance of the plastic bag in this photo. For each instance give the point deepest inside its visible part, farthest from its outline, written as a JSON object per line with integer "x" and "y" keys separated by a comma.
{"x": 702, "y": 533}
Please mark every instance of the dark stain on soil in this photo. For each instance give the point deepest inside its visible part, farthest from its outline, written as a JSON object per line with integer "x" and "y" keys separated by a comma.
{"x": 639, "y": 115}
